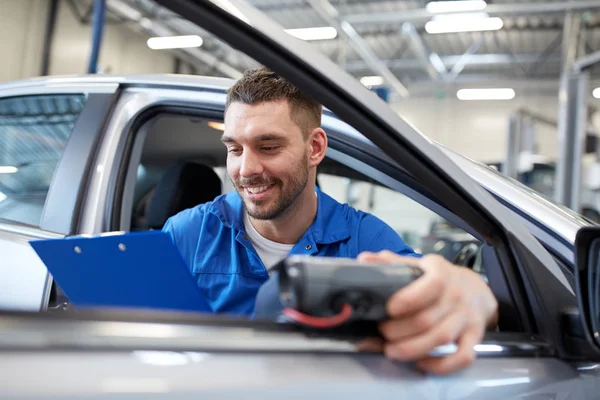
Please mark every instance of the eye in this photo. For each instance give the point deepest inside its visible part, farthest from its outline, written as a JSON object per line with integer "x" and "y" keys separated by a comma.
{"x": 270, "y": 148}
{"x": 234, "y": 150}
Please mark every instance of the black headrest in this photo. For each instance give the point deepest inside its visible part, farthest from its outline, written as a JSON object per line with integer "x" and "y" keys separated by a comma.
{"x": 183, "y": 186}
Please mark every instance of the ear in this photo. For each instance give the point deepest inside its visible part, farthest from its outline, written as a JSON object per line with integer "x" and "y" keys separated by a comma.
{"x": 317, "y": 142}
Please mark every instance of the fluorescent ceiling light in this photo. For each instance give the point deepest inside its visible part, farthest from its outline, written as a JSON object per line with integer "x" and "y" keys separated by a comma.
{"x": 452, "y": 25}
{"x": 486, "y": 94}
{"x": 455, "y": 6}
{"x": 8, "y": 169}
{"x": 460, "y": 18}
{"x": 596, "y": 93}
{"x": 320, "y": 33}
{"x": 371, "y": 80}
{"x": 174, "y": 42}
{"x": 216, "y": 125}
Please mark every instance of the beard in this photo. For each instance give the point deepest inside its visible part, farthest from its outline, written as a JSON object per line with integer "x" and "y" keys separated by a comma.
{"x": 288, "y": 193}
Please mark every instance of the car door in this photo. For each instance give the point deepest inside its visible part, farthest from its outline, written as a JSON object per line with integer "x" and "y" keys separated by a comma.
{"x": 48, "y": 131}
{"x": 537, "y": 286}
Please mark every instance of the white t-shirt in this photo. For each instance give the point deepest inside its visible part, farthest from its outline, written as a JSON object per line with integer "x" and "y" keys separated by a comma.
{"x": 270, "y": 252}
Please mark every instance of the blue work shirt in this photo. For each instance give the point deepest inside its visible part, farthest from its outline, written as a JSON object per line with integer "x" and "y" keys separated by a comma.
{"x": 212, "y": 240}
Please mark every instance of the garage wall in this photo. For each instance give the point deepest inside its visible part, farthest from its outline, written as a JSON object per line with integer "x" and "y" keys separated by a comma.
{"x": 478, "y": 129}
{"x": 123, "y": 50}
{"x": 22, "y": 29}
{"x": 22, "y": 24}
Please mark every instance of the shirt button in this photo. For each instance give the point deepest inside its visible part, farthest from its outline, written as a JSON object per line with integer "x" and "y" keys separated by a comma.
{"x": 308, "y": 247}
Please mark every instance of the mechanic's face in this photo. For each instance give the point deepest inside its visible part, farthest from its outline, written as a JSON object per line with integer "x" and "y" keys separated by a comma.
{"x": 268, "y": 159}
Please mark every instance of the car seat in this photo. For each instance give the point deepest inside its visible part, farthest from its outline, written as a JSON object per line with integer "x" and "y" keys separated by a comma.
{"x": 184, "y": 185}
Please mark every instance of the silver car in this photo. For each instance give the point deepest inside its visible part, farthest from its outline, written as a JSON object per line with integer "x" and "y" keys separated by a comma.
{"x": 92, "y": 154}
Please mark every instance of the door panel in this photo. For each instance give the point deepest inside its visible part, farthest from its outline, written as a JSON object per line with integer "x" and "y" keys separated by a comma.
{"x": 24, "y": 279}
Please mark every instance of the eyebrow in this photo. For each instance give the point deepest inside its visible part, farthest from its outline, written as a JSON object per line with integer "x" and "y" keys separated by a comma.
{"x": 269, "y": 136}
{"x": 261, "y": 138}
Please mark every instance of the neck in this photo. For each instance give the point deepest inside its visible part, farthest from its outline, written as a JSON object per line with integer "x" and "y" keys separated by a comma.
{"x": 289, "y": 227}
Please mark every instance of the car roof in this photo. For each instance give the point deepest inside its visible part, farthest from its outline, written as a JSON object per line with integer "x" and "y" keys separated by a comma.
{"x": 175, "y": 80}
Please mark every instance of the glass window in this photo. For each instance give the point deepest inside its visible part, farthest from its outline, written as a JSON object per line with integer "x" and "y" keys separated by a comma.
{"x": 33, "y": 134}
{"x": 422, "y": 229}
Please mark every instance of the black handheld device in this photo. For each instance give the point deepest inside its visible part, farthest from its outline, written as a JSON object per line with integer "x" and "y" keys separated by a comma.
{"x": 326, "y": 286}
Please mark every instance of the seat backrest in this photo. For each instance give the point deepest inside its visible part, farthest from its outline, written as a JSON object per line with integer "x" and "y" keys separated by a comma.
{"x": 183, "y": 186}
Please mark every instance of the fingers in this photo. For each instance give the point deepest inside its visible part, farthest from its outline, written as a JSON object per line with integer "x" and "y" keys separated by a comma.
{"x": 445, "y": 305}
{"x": 417, "y": 323}
{"x": 419, "y": 346}
{"x": 464, "y": 357}
{"x": 421, "y": 293}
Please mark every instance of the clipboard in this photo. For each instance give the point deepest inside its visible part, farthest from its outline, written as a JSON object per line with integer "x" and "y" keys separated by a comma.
{"x": 127, "y": 270}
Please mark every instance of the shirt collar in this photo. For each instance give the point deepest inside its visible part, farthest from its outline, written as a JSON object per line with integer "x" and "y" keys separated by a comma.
{"x": 330, "y": 224}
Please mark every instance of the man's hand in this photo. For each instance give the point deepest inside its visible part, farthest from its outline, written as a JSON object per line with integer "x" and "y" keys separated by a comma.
{"x": 447, "y": 304}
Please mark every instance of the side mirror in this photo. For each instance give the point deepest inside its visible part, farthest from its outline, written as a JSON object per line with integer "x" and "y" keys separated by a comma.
{"x": 587, "y": 282}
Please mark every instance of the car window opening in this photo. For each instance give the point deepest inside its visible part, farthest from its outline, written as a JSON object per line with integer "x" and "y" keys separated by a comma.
{"x": 182, "y": 164}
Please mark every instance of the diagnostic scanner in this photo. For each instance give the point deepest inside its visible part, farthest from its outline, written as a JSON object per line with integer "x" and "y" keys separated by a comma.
{"x": 326, "y": 286}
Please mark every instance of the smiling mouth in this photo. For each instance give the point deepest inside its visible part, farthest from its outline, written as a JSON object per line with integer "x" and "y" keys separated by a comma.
{"x": 256, "y": 189}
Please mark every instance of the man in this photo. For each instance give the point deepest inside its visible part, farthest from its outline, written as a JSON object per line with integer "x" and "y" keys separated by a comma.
{"x": 274, "y": 144}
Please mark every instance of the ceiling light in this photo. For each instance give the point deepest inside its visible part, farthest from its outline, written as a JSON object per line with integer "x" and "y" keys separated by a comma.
{"x": 371, "y": 80}
{"x": 320, "y": 33}
{"x": 174, "y": 42}
{"x": 460, "y": 17}
{"x": 451, "y": 24}
{"x": 8, "y": 169}
{"x": 596, "y": 93}
{"x": 486, "y": 94}
{"x": 455, "y": 6}
{"x": 216, "y": 125}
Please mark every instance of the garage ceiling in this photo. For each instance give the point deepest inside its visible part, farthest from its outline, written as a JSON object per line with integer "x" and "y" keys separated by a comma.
{"x": 527, "y": 49}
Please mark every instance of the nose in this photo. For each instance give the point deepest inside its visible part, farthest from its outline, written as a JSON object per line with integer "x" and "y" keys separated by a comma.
{"x": 250, "y": 165}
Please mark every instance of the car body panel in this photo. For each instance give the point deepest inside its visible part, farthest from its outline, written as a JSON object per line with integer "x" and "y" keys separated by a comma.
{"x": 187, "y": 375}
{"x": 196, "y": 357}
{"x": 24, "y": 279}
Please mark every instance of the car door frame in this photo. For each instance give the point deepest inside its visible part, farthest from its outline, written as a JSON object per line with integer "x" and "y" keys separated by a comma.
{"x": 146, "y": 102}
{"x": 536, "y": 272}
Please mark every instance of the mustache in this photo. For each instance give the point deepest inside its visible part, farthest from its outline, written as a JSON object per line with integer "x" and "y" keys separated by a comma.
{"x": 254, "y": 182}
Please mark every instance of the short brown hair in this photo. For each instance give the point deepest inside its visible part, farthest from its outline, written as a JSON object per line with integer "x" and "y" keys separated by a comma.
{"x": 260, "y": 85}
